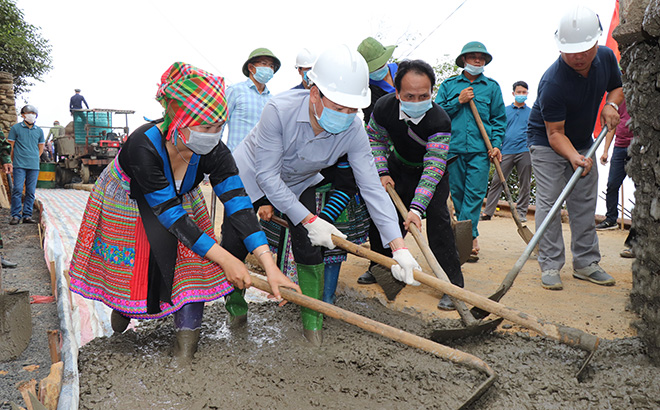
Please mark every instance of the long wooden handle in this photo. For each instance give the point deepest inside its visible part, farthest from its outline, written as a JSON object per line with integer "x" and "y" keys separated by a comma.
{"x": 498, "y": 167}
{"x": 563, "y": 334}
{"x": 463, "y": 311}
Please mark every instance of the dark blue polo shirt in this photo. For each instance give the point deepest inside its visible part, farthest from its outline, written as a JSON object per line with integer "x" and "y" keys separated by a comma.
{"x": 565, "y": 95}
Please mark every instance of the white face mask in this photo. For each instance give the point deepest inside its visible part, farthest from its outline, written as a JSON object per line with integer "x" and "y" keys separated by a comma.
{"x": 473, "y": 69}
{"x": 202, "y": 142}
{"x": 30, "y": 118}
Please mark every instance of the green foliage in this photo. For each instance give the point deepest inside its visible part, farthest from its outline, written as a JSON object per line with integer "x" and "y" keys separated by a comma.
{"x": 444, "y": 69}
{"x": 24, "y": 52}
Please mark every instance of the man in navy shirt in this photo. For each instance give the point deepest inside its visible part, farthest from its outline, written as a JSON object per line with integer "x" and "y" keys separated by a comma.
{"x": 77, "y": 101}
{"x": 514, "y": 152}
{"x": 559, "y": 135}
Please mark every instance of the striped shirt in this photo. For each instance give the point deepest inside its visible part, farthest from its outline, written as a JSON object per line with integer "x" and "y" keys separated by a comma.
{"x": 423, "y": 145}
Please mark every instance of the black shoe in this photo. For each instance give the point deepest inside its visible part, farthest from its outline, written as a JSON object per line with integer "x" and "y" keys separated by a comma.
{"x": 446, "y": 303}
{"x": 606, "y": 225}
{"x": 15, "y": 221}
{"x": 6, "y": 263}
{"x": 485, "y": 217}
{"x": 119, "y": 322}
{"x": 367, "y": 278}
{"x": 29, "y": 220}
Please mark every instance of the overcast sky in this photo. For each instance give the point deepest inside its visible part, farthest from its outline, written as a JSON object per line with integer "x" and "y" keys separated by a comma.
{"x": 116, "y": 51}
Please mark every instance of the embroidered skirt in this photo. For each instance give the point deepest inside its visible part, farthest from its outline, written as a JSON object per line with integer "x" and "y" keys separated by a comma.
{"x": 111, "y": 257}
{"x": 353, "y": 222}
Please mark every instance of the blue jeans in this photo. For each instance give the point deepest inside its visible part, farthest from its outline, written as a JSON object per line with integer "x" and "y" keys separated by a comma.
{"x": 615, "y": 179}
{"x": 27, "y": 177}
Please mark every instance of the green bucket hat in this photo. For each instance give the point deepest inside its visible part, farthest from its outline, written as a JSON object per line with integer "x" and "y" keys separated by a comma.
{"x": 473, "y": 47}
{"x": 375, "y": 53}
{"x": 260, "y": 52}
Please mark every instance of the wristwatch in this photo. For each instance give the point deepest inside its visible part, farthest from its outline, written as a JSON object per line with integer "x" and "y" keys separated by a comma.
{"x": 616, "y": 107}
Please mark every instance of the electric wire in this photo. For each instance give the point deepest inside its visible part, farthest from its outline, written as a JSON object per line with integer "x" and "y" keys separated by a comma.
{"x": 436, "y": 28}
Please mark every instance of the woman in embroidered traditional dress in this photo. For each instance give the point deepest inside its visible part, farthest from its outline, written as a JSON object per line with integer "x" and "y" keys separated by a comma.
{"x": 146, "y": 247}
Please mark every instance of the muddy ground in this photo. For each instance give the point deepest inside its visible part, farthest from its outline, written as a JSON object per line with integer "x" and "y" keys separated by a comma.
{"x": 269, "y": 365}
{"x": 22, "y": 245}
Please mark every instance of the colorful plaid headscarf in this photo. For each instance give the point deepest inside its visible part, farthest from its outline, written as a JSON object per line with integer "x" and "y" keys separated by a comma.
{"x": 198, "y": 96}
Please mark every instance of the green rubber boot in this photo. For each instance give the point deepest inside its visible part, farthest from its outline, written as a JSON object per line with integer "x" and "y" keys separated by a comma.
{"x": 237, "y": 307}
{"x": 310, "y": 279}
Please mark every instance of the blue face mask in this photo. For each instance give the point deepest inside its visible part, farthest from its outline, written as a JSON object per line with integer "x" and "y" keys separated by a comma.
{"x": 379, "y": 74}
{"x": 473, "y": 69}
{"x": 416, "y": 109}
{"x": 263, "y": 74}
{"x": 333, "y": 121}
{"x": 305, "y": 78}
{"x": 520, "y": 98}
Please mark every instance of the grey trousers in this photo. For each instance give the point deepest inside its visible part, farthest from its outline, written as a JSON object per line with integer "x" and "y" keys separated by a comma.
{"x": 552, "y": 173}
{"x": 523, "y": 164}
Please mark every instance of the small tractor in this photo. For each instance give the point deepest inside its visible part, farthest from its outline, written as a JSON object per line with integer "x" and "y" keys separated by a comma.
{"x": 90, "y": 142}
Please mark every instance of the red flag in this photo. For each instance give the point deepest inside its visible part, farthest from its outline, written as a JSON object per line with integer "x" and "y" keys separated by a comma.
{"x": 611, "y": 43}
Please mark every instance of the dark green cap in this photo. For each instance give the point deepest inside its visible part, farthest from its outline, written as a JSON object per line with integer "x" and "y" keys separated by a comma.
{"x": 473, "y": 47}
{"x": 375, "y": 53}
{"x": 260, "y": 52}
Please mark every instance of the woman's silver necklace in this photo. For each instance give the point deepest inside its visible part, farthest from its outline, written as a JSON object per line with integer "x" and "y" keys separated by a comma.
{"x": 181, "y": 156}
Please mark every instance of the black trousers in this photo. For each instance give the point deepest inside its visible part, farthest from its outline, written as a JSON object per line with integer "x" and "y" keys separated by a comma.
{"x": 438, "y": 224}
{"x": 303, "y": 250}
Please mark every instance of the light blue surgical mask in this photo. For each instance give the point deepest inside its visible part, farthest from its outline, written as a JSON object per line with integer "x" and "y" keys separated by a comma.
{"x": 416, "y": 109}
{"x": 202, "y": 142}
{"x": 263, "y": 74}
{"x": 306, "y": 79}
{"x": 332, "y": 121}
{"x": 520, "y": 98}
{"x": 379, "y": 74}
{"x": 473, "y": 69}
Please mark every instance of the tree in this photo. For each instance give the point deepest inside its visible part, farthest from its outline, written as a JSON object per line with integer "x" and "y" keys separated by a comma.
{"x": 444, "y": 69}
{"x": 23, "y": 51}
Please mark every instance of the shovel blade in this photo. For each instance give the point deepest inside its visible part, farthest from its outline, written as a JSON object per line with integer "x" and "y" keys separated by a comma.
{"x": 15, "y": 324}
{"x": 463, "y": 236}
{"x": 390, "y": 286}
{"x": 444, "y": 335}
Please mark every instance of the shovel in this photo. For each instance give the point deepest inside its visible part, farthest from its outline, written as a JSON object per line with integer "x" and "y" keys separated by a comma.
{"x": 523, "y": 230}
{"x": 15, "y": 322}
{"x": 513, "y": 273}
{"x": 462, "y": 233}
{"x": 444, "y": 352}
{"x": 472, "y": 326}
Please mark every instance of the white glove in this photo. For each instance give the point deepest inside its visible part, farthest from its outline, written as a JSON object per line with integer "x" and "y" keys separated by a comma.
{"x": 319, "y": 232}
{"x": 404, "y": 270}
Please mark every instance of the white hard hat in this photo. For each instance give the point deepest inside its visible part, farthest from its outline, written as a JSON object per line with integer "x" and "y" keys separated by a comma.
{"x": 578, "y": 31}
{"x": 342, "y": 75}
{"x": 305, "y": 59}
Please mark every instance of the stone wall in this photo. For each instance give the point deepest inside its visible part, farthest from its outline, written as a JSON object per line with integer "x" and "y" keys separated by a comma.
{"x": 7, "y": 102}
{"x": 638, "y": 35}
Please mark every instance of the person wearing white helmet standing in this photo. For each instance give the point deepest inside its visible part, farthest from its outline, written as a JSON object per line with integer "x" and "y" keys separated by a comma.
{"x": 560, "y": 134}
{"x": 304, "y": 62}
{"x": 300, "y": 133}
{"x": 27, "y": 143}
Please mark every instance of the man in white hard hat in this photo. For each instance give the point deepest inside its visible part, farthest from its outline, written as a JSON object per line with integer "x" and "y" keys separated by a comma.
{"x": 300, "y": 133}
{"x": 560, "y": 134}
{"x": 304, "y": 62}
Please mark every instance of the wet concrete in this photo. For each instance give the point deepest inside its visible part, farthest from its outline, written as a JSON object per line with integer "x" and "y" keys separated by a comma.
{"x": 269, "y": 365}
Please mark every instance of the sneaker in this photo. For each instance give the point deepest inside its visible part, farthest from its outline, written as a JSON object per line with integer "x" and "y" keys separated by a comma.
{"x": 446, "y": 303}
{"x": 606, "y": 225}
{"x": 594, "y": 273}
{"x": 15, "y": 221}
{"x": 523, "y": 218}
{"x": 6, "y": 263}
{"x": 485, "y": 217}
{"x": 627, "y": 253}
{"x": 551, "y": 280}
{"x": 367, "y": 278}
{"x": 29, "y": 220}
